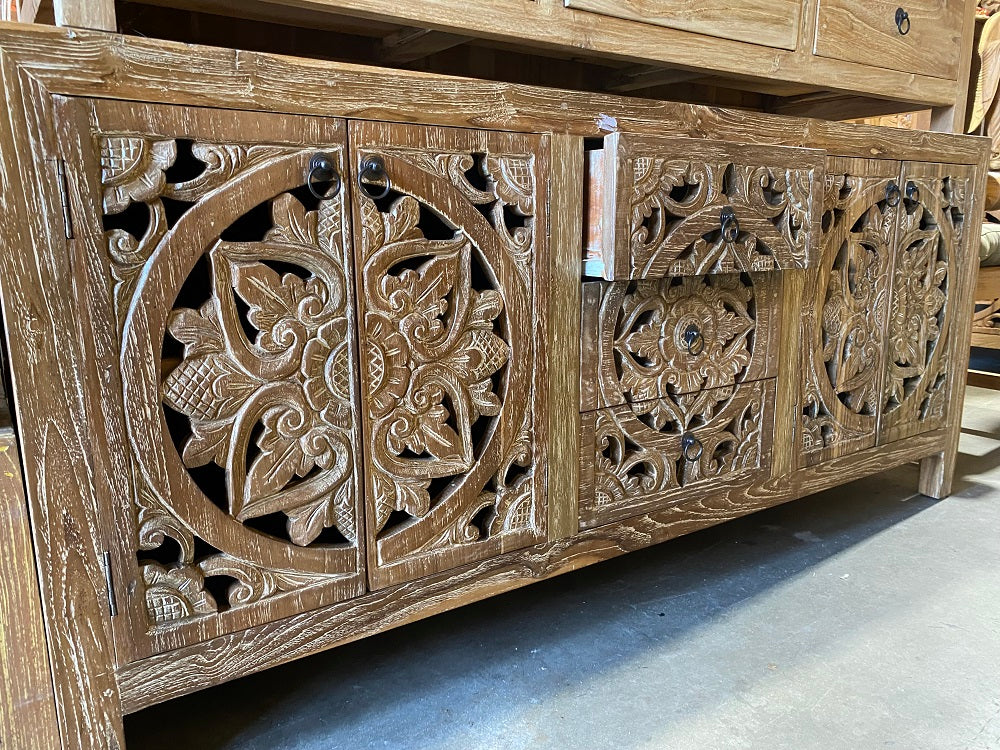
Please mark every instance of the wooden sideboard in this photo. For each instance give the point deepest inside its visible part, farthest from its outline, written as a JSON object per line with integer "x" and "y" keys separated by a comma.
{"x": 302, "y": 351}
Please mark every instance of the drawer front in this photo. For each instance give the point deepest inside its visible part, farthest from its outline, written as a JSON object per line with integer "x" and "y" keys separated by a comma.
{"x": 653, "y": 338}
{"x": 640, "y": 457}
{"x": 774, "y": 23}
{"x": 661, "y": 207}
{"x": 871, "y": 32}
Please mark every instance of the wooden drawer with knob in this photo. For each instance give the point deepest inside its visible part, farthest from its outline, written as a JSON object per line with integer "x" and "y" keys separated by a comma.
{"x": 657, "y": 338}
{"x": 638, "y": 457}
{"x": 659, "y": 207}
{"x": 923, "y": 37}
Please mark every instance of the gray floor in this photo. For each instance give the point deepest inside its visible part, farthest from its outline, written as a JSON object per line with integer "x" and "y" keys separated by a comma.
{"x": 864, "y": 617}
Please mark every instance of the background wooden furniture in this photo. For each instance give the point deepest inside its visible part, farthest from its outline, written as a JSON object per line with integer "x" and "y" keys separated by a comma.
{"x": 838, "y": 59}
{"x": 180, "y": 305}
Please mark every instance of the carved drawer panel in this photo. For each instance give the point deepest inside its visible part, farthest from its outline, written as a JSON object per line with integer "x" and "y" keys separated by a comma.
{"x": 922, "y": 314}
{"x": 451, "y": 273}
{"x": 660, "y": 337}
{"x": 843, "y": 332}
{"x": 917, "y": 36}
{"x": 224, "y": 364}
{"x": 661, "y": 207}
{"x": 639, "y": 457}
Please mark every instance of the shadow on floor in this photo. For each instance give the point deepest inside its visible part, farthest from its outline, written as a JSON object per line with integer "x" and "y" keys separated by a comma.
{"x": 413, "y": 686}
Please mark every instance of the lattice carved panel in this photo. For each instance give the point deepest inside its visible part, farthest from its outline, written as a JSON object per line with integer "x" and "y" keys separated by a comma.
{"x": 691, "y": 207}
{"x": 651, "y": 338}
{"x": 638, "y": 457}
{"x": 930, "y": 236}
{"x": 844, "y": 334}
{"x": 228, "y": 283}
{"x": 449, "y": 261}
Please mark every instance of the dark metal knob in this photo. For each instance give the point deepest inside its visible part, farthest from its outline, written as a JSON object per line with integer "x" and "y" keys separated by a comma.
{"x": 373, "y": 174}
{"x": 912, "y": 192}
{"x": 322, "y": 169}
{"x": 892, "y": 194}
{"x": 730, "y": 224}
{"x": 691, "y": 447}
{"x": 902, "y": 21}
{"x": 694, "y": 341}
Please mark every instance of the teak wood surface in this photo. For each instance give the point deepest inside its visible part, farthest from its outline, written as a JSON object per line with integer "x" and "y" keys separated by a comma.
{"x": 58, "y": 310}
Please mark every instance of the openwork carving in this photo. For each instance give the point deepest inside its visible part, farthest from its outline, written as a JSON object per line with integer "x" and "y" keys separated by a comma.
{"x": 638, "y": 452}
{"x": 669, "y": 336}
{"x": 447, "y": 320}
{"x": 930, "y": 231}
{"x": 257, "y": 376}
{"x": 844, "y": 338}
{"x": 674, "y": 207}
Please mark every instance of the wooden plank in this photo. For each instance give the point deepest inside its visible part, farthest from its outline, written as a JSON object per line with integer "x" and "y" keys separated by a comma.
{"x": 27, "y": 704}
{"x": 96, "y": 64}
{"x": 40, "y": 307}
{"x": 565, "y": 254}
{"x": 186, "y": 670}
{"x": 787, "y": 407}
{"x": 86, "y": 14}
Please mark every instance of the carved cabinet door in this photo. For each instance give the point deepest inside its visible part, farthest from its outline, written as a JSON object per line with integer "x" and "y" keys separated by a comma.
{"x": 928, "y": 264}
{"x": 450, "y": 258}
{"x": 215, "y": 248}
{"x": 843, "y": 334}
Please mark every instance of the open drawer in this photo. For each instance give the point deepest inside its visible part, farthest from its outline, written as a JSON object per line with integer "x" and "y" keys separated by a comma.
{"x": 659, "y": 207}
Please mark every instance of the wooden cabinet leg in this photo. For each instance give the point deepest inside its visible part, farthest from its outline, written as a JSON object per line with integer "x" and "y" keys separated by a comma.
{"x": 936, "y": 474}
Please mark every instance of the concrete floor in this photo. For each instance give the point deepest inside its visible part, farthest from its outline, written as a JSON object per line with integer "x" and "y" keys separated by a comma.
{"x": 864, "y": 617}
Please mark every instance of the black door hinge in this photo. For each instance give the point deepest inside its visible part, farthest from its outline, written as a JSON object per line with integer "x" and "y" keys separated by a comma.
{"x": 64, "y": 198}
{"x": 110, "y": 581}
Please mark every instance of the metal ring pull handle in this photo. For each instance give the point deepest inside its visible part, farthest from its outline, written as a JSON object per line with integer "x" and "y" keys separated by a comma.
{"x": 373, "y": 171}
{"x": 322, "y": 169}
{"x": 730, "y": 224}
{"x": 912, "y": 192}
{"x": 892, "y": 194}
{"x": 694, "y": 341}
{"x": 902, "y": 21}
{"x": 691, "y": 447}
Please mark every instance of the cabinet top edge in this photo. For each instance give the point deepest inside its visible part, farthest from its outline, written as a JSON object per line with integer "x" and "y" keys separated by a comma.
{"x": 74, "y": 62}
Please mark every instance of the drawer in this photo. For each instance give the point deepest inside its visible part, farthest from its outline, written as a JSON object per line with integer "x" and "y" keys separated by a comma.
{"x": 652, "y": 338}
{"x": 659, "y": 207}
{"x": 871, "y": 32}
{"x": 639, "y": 457}
{"x": 773, "y": 23}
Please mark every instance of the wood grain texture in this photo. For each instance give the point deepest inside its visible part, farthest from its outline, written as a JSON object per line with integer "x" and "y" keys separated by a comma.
{"x": 773, "y": 24}
{"x": 40, "y": 305}
{"x": 166, "y": 676}
{"x": 127, "y": 67}
{"x": 865, "y": 31}
{"x": 85, "y": 14}
{"x": 27, "y": 705}
{"x": 787, "y": 400}
{"x": 564, "y": 341}
{"x": 955, "y": 118}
